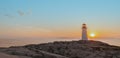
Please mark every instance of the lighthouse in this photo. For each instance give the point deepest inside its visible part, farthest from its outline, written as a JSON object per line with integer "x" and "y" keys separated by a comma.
{"x": 84, "y": 32}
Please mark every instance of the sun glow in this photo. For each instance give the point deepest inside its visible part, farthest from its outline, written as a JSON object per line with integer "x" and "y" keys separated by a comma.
{"x": 92, "y": 35}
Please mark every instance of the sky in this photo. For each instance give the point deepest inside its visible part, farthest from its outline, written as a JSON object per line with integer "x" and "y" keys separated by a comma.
{"x": 59, "y": 18}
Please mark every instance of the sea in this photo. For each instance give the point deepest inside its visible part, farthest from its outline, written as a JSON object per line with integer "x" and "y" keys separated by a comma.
{"x": 24, "y": 41}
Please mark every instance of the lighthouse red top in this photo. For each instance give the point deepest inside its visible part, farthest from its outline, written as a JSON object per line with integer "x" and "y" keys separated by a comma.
{"x": 84, "y": 26}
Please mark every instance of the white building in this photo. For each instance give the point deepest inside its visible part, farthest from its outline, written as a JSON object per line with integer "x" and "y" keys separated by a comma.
{"x": 84, "y": 32}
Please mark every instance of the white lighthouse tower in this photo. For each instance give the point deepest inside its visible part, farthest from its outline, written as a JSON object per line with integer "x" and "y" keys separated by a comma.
{"x": 84, "y": 32}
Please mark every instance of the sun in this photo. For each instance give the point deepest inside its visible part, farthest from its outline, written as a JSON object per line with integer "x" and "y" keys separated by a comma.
{"x": 92, "y": 35}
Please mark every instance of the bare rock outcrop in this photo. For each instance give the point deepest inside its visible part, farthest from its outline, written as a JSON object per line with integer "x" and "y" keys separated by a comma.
{"x": 21, "y": 51}
{"x": 3, "y": 55}
{"x": 66, "y": 49}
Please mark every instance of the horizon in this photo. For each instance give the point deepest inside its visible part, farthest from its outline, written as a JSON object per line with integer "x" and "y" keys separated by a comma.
{"x": 61, "y": 19}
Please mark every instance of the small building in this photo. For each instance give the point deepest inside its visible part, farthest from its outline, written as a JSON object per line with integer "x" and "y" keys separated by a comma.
{"x": 84, "y": 32}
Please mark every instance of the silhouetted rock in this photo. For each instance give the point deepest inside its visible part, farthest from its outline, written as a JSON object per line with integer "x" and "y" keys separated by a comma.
{"x": 3, "y": 55}
{"x": 66, "y": 49}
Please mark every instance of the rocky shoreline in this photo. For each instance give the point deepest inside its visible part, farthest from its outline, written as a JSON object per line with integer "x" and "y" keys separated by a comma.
{"x": 65, "y": 49}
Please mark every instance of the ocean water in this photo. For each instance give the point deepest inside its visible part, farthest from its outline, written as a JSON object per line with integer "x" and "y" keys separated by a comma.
{"x": 22, "y": 41}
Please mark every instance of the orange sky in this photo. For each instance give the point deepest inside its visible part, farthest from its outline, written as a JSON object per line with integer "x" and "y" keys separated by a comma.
{"x": 70, "y": 33}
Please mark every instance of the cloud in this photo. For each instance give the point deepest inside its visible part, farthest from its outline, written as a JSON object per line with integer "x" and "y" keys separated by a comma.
{"x": 9, "y": 16}
{"x": 21, "y": 13}
{"x": 6, "y": 13}
{"x": 3, "y": 9}
{"x": 29, "y": 12}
